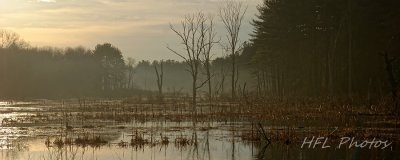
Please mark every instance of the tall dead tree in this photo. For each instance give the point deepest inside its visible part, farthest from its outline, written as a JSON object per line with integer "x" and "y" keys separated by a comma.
{"x": 232, "y": 14}
{"x": 193, "y": 37}
{"x": 160, "y": 79}
{"x": 210, "y": 38}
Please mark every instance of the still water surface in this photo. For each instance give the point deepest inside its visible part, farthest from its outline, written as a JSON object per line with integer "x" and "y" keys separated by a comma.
{"x": 26, "y": 140}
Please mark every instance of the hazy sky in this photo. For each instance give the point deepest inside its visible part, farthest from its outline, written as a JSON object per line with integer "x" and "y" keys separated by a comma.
{"x": 140, "y": 28}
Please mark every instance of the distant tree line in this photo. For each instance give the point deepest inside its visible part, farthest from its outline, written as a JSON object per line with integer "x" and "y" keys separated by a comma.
{"x": 177, "y": 80}
{"x": 29, "y": 72}
{"x": 32, "y": 72}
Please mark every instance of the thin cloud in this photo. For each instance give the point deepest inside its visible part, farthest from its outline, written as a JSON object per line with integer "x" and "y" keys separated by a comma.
{"x": 47, "y": 1}
{"x": 139, "y": 27}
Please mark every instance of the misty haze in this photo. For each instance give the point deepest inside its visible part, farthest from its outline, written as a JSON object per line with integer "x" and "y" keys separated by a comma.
{"x": 199, "y": 79}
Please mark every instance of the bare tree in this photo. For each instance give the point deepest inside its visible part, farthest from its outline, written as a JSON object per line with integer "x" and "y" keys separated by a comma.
{"x": 232, "y": 14}
{"x": 210, "y": 38}
{"x": 10, "y": 39}
{"x": 193, "y": 37}
{"x": 160, "y": 78}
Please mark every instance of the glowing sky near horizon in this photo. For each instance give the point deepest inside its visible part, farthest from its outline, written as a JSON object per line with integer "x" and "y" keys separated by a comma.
{"x": 140, "y": 28}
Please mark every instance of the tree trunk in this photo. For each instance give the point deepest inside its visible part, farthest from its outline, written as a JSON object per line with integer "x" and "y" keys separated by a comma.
{"x": 349, "y": 60}
{"x": 194, "y": 94}
{"x": 209, "y": 84}
{"x": 233, "y": 76}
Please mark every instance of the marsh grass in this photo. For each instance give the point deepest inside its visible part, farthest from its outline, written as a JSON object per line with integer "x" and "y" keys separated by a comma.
{"x": 285, "y": 121}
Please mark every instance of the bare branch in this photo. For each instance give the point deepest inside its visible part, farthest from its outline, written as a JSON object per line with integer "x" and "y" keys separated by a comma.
{"x": 203, "y": 83}
{"x": 197, "y": 37}
{"x": 173, "y": 51}
{"x": 232, "y": 15}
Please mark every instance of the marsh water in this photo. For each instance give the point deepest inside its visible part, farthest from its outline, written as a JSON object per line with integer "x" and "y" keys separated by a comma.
{"x": 51, "y": 130}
